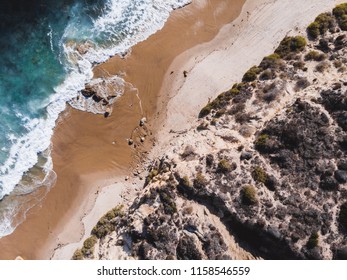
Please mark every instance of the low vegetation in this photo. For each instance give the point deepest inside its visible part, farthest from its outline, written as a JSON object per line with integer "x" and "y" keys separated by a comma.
{"x": 249, "y": 195}
{"x": 316, "y": 56}
{"x": 321, "y": 25}
{"x": 290, "y": 46}
{"x": 340, "y": 12}
{"x": 251, "y": 74}
{"x": 313, "y": 241}
{"x": 271, "y": 61}
{"x": 259, "y": 175}
{"x": 199, "y": 181}
{"x": 261, "y": 140}
{"x": 104, "y": 225}
{"x": 153, "y": 173}
{"x": 224, "y": 166}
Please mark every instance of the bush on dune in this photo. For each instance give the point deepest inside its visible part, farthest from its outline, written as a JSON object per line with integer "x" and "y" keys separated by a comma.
{"x": 340, "y": 12}
{"x": 321, "y": 25}
{"x": 290, "y": 46}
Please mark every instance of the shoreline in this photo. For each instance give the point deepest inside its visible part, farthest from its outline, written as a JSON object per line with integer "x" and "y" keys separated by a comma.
{"x": 212, "y": 67}
{"x": 89, "y": 144}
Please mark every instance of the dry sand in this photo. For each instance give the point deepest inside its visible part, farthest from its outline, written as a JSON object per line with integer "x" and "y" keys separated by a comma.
{"x": 83, "y": 142}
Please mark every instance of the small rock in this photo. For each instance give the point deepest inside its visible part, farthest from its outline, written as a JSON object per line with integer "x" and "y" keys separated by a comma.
{"x": 96, "y": 98}
{"x": 143, "y": 121}
{"x": 130, "y": 142}
{"x": 126, "y": 178}
{"x": 142, "y": 139}
{"x": 246, "y": 155}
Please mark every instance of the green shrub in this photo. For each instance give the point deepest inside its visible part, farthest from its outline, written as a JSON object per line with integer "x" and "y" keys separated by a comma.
{"x": 249, "y": 195}
{"x": 314, "y": 55}
{"x": 205, "y": 111}
{"x": 261, "y": 140}
{"x": 199, "y": 181}
{"x": 259, "y": 175}
{"x": 88, "y": 245}
{"x": 115, "y": 212}
{"x": 321, "y": 25}
{"x": 153, "y": 173}
{"x": 89, "y": 242}
{"x": 78, "y": 255}
{"x": 290, "y": 45}
{"x": 186, "y": 182}
{"x": 343, "y": 23}
{"x": 251, "y": 74}
{"x": 224, "y": 166}
{"x": 168, "y": 201}
{"x": 313, "y": 241}
{"x": 104, "y": 225}
{"x": 271, "y": 61}
{"x": 313, "y": 30}
{"x": 220, "y": 102}
{"x": 340, "y": 10}
{"x": 343, "y": 215}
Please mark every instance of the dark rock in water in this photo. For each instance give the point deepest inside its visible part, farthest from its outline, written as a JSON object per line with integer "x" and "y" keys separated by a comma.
{"x": 88, "y": 92}
{"x": 97, "y": 98}
{"x": 341, "y": 176}
{"x": 246, "y": 155}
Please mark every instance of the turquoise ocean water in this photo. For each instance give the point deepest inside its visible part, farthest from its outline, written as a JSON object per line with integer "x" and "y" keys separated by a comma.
{"x": 41, "y": 71}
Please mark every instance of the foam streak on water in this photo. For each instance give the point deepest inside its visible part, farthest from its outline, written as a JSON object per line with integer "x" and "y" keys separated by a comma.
{"x": 122, "y": 24}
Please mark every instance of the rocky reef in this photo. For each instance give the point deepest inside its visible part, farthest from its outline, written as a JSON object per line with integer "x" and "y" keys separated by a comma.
{"x": 263, "y": 175}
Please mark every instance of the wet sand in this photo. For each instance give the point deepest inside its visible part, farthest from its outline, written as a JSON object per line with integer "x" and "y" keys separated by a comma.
{"x": 90, "y": 152}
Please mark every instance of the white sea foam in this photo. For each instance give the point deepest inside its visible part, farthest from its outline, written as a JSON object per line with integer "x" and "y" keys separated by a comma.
{"x": 148, "y": 17}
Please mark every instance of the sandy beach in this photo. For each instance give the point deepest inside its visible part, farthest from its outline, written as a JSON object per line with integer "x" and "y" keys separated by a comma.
{"x": 91, "y": 152}
{"x": 215, "y": 42}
